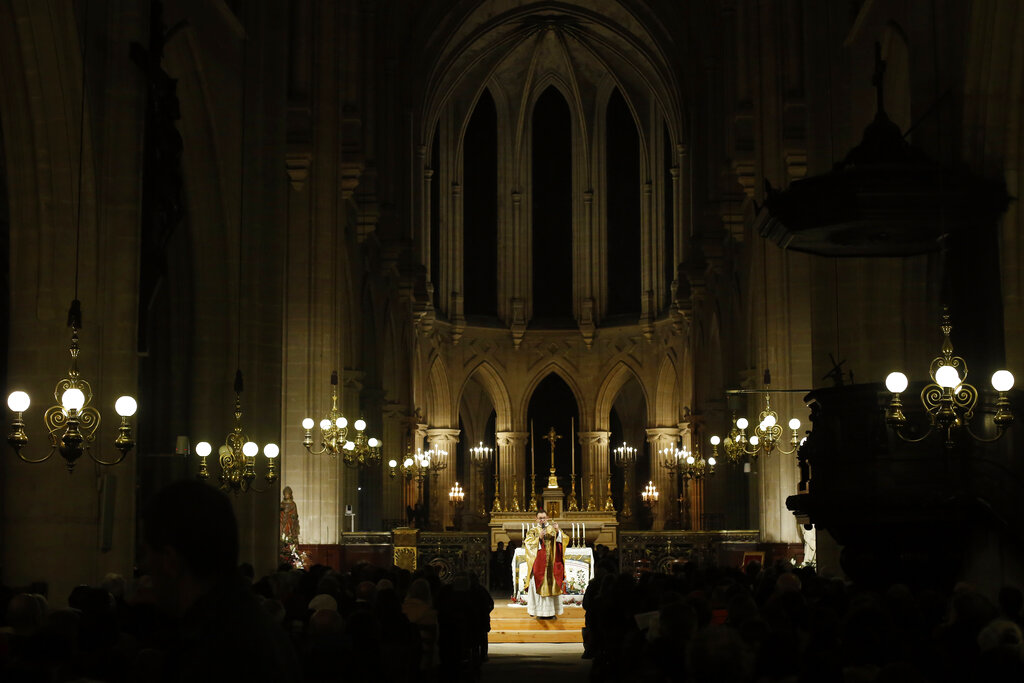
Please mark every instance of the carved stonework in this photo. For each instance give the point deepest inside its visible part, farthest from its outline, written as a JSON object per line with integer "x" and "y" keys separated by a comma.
{"x": 587, "y": 326}
{"x": 518, "y": 326}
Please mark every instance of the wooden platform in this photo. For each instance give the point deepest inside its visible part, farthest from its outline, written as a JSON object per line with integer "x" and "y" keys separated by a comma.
{"x": 511, "y": 624}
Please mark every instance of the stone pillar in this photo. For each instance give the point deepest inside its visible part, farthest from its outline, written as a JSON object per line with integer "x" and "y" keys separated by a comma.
{"x": 393, "y": 507}
{"x": 512, "y": 466}
{"x": 595, "y": 462}
{"x": 662, "y": 438}
{"x": 444, "y": 440}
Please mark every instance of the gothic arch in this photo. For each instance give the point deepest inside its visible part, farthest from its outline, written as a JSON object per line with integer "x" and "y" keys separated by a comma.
{"x": 666, "y": 399}
{"x": 495, "y": 386}
{"x": 439, "y": 409}
{"x": 536, "y": 378}
{"x": 613, "y": 382}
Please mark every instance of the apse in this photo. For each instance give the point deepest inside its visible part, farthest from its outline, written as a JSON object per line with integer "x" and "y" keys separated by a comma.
{"x": 552, "y": 405}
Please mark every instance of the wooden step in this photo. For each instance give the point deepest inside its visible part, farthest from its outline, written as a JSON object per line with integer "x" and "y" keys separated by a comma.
{"x": 512, "y": 624}
{"x": 535, "y": 636}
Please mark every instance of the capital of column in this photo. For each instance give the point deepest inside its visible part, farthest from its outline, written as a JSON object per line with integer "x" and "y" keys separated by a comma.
{"x": 662, "y": 435}
{"x": 510, "y": 439}
{"x": 594, "y": 438}
{"x": 443, "y": 435}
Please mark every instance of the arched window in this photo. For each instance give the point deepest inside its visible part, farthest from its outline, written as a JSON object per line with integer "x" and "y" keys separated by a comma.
{"x": 552, "y": 208}
{"x": 623, "y": 217}
{"x": 480, "y": 210}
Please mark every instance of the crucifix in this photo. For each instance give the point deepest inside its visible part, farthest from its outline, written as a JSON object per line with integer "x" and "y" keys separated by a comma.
{"x": 552, "y": 437}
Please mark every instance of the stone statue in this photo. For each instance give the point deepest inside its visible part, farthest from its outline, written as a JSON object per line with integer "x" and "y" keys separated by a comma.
{"x": 289, "y": 518}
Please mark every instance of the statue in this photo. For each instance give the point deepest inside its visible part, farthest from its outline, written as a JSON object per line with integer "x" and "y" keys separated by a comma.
{"x": 289, "y": 524}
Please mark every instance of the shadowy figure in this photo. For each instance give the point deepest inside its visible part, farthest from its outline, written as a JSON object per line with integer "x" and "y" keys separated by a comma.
{"x": 191, "y": 549}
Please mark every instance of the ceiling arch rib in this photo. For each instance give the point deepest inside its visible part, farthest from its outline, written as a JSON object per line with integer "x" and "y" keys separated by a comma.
{"x": 506, "y": 47}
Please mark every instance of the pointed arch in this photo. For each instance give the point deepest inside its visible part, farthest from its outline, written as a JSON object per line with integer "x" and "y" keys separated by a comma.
{"x": 495, "y": 386}
{"x": 666, "y": 399}
{"x": 566, "y": 375}
{"x": 439, "y": 408}
{"x": 613, "y": 382}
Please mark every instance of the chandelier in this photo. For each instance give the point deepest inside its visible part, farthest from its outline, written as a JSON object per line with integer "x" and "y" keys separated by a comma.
{"x": 767, "y": 435}
{"x": 359, "y": 452}
{"x": 949, "y": 400}
{"x": 237, "y": 456}
{"x": 72, "y": 422}
{"x": 695, "y": 467}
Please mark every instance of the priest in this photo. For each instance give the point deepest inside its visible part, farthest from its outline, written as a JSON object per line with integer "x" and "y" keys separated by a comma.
{"x": 543, "y": 545}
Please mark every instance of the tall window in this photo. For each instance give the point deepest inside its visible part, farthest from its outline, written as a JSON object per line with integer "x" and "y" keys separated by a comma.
{"x": 480, "y": 210}
{"x": 669, "y": 216}
{"x": 552, "y": 208}
{"x": 623, "y": 196}
{"x": 435, "y": 216}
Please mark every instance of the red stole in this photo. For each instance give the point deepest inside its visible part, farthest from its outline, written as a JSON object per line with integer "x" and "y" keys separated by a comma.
{"x": 540, "y": 565}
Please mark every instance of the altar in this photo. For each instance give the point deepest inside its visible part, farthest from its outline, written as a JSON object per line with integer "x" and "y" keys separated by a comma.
{"x": 579, "y": 570}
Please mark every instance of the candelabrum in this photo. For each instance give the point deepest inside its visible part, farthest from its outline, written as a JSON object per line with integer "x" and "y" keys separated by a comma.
{"x": 72, "y": 422}
{"x": 767, "y": 435}
{"x": 948, "y": 399}
{"x": 237, "y": 456}
{"x": 534, "y": 505}
{"x": 591, "y": 501}
{"x": 456, "y": 496}
{"x": 674, "y": 460}
{"x": 649, "y": 495}
{"x": 358, "y": 452}
{"x": 514, "y": 505}
{"x": 625, "y": 458}
{"x": 609, "y": 504}
{"x": 481, "y": 456}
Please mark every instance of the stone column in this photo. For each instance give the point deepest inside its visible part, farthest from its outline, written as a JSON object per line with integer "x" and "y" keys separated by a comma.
{"x": 445, "y": 440}
{"x": 512, "y": 466}
{"x": 662, "y": 438}
{"x": 392, "y": 448}
{"x": 594, "y": 459}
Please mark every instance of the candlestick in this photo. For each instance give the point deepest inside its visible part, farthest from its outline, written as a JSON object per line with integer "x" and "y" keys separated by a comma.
{"x": 572, "y": 445}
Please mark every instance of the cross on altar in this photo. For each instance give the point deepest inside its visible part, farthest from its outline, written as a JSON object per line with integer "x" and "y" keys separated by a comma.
{"x": 551, "y": 438}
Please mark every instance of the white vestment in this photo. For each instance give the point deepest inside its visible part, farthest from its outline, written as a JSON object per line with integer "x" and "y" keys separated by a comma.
{"x": 538, "y": 605}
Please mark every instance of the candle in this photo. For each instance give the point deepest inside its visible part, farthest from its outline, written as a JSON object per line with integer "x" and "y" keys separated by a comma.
{"x": 532, "y": 468}
{"x": 572, "y": 445}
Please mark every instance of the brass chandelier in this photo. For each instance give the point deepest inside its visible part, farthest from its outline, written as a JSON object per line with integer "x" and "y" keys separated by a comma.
{"x": 948, "y": 399}
{"x": 72, "y": 422}
{"x": 237, "y": 456}
{"x": 766, "y": 438}
{"x": 358, "y": 452}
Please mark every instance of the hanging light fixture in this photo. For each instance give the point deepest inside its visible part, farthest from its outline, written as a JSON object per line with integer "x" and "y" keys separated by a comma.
{"x": 767, "y": 436}
{"x": 696, "y": 467}
{"x": 72, "y": 422}
{"x": 237, "y": 456}
{"x": 358, "y": 452}
{"x": 949, "y": 400}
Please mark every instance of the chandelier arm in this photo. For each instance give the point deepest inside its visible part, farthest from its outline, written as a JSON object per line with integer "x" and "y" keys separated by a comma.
{"x": 791, "y": 451}
{"x": 36, "y": 460}
{"x": 921, "y": 438}
{"x": 107, "y": 463}
{"x": 1000, "y": 431}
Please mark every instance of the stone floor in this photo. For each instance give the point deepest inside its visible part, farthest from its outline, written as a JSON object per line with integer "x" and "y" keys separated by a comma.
{"x": 518, "y": 662}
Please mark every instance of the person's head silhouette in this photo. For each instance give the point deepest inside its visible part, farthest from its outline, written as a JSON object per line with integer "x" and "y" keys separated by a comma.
{"x": 191, "y": 542}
